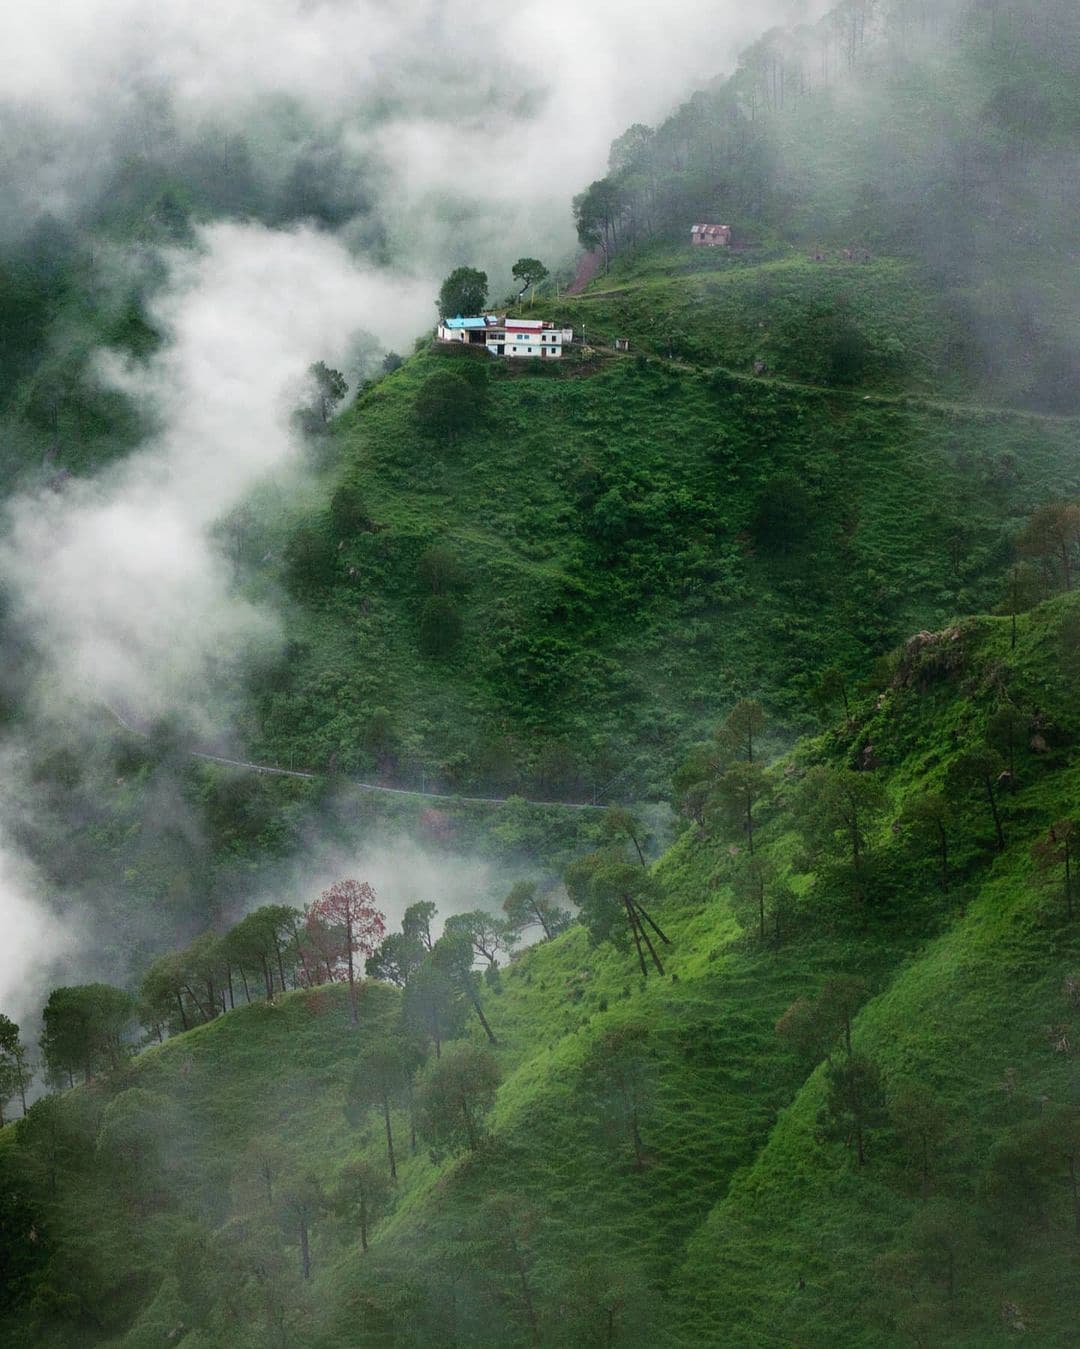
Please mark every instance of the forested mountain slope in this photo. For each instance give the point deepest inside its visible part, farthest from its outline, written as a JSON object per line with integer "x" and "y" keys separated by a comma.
{"x": 607, "y": 553}
{"x": 670, "y": 1157}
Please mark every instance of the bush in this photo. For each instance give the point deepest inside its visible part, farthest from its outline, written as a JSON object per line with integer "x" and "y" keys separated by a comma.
{"x": 440, "y": 626}
{"x": 450, "y": 402}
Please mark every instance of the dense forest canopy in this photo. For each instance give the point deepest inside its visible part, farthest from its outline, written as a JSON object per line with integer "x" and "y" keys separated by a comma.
{"x": 572, "y": 852}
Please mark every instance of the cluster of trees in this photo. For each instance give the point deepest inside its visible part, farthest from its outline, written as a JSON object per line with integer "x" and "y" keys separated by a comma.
{"x": 617, "y": 895}
{"x": 464, "y": 293}
{"x": 89, "y": 1029}
{"x": 841, "y": 815}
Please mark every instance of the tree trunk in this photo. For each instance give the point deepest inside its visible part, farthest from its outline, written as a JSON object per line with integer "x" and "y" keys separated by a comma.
{"x": 750, "y": 826}
{"x": 412, "y": 1117}
{"x": 389, "y": 1139}
{"x": 243, "y": 980}
{"x": 363, "y": 1220}
{"x": 539, "y": 913}
{"x": 639, "y": 1150}
{"x": 999, "y": 832}
{"x": 470, "y": 1127}
{"x": 183, "y": 1014}
{"x": 354, "y": 1016}
{"x": 305, "y": 1252}
{"x": 478, "y": 1009}
{"x": 526, "y": 1292}
{"x": 268, "y": 978}
{"x": 653, "y": 924}
{"x": 652, "y": 949}
{"x": 632, "y": 918}
{"x": 280, "y": 964}
{"x": 943, "y": 847}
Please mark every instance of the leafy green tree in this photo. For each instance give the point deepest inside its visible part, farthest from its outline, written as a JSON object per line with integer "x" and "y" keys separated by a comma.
{"x": 456, "y": 1094}
{"x": 620, "y": 823}
{"x": 85, "y": 1029}
{"x": 922, "y": 1126}
{"x": 137, "y": 1143}
{"x": 502, "y": 1231}
{"x": 738, "y": 733}
{"x": 449, "y": 403}
{"x": 836, "y": 811}
{"x": 441, "y": 571}
{"x": 261, "y": 942}
{"x": 832, "y": 688}
{"x": 362, "y": 1195}
{"x": 1023, "y": 590}
{"x": 926, "y": 820}
{"x": 848, "y": 355}
{"x": 384, "y": 1069}
{"x": 348, "y": 512}
{"x": 391, "y": 362}
{"x": 1053, "y": 536}
{"x": 311, "y": 560}
{"x": 613, "y": 909}
{"x": 945, "y": 1240}
{"x": 620, "y": 1074}
{"x": 529, "y": 272}
{"x": 854, "y": 1104}
{"x": 487, "y": 933}
{"x": 628, "y": 148}
{"x": 1007, "y": 731}
{"x": 395, "y": 959}
{"x": 784, "y": 511}
{"x": 329, "y": 389}
{"x": 14, "y": 1061}
{"x": 840, "y": 998}
{"x": 762, "y": 897}
{"x": 811, "y": 1027}
{"x": 441, "y": 627}
{"x": 802, "y": 1027}
{"x": 453, "y": 955}
{"x": 598, "y": 213}
{"x": 525, "y": 907}
{"x": 416, "y": 922}
{"x": 430, "y": 1004}
{"x": 464, "y": 292}
{"x": 695, "y": 780}
{"x": 299, "y": 1203}
{"x": 1058, "y": 853}
{"x": 978, "y": 770}
{"x": 1033, "y": 1175}
{"x": 738, "y": 791}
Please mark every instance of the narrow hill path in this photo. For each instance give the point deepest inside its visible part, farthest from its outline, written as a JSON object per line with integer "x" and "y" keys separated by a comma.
{"x": 273, "y": 770}
{"x": 912, "y": 400}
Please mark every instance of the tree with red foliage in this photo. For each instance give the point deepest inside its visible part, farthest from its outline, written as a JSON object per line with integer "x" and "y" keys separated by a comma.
{"x": 349, "y": 908}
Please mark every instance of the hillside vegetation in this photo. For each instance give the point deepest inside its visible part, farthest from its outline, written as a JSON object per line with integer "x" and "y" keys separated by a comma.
{"x": 656, "y": 1155}
{"x": 623, "y": 546}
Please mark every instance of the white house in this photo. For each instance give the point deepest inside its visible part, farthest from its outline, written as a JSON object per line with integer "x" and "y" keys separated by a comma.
{"x": 503, "y": 336}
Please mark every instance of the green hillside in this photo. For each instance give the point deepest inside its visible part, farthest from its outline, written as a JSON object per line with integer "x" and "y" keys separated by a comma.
{"x": 633, "y": 544}
{"x": 732, "y": 1220}
{"x": 722, "y": 693}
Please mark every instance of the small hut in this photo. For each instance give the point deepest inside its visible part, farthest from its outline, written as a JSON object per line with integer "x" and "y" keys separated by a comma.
{"x": 710, "y": 236}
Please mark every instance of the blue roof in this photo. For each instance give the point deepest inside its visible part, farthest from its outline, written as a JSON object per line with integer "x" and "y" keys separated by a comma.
{"x": 459, "y": 322}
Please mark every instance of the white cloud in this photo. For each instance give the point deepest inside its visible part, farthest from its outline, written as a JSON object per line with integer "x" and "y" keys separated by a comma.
{"x": 117, "y": 579}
